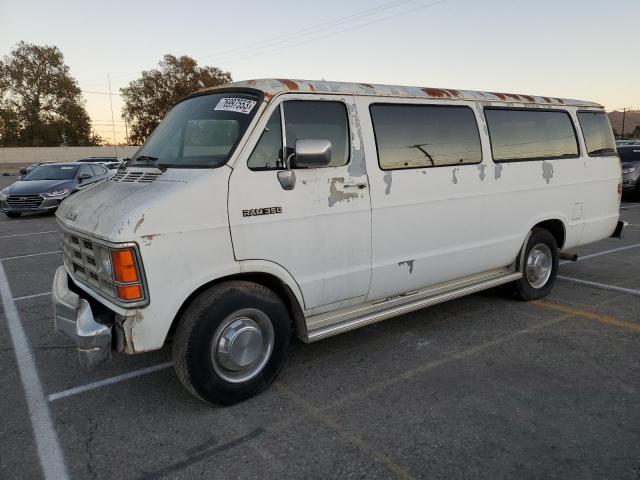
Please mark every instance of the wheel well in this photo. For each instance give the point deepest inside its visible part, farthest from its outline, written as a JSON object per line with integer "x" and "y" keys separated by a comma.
{"x": 556, "y": 228}
{"x": 271, "y": 282}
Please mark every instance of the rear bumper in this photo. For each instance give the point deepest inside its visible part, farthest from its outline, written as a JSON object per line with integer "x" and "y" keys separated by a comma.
{"x": 74, "y": 318}
{"x": 621, "y": 227}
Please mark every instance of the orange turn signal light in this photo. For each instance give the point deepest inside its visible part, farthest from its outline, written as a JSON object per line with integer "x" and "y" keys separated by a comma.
{"x": 124, "y": 266}
{"x": 129, "y": 292}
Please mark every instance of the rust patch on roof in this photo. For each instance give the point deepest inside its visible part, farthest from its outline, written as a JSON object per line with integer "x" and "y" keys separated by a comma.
{"x": 368, "y": 85}
{"x": 311, "y": 87}
{"x": 546, "y": 99}
{"x": 528, "y": 98}
{"x": 290, "y": 84}
{"x": 559, "y": 100}
{"x": 455, "y": 93}
{"x": 438, "y": 92}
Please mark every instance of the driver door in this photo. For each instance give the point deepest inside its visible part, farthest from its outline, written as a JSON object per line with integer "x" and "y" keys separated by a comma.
{"x": 319, "y": 231}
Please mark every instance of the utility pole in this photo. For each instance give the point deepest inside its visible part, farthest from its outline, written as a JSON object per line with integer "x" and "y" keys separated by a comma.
{"x": 113, "y": 122}
{"x": 126, "y": 130}
{"x": 624, "y": 112}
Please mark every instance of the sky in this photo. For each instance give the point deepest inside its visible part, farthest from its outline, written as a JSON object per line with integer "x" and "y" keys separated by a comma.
{"x": 584, "y": 49}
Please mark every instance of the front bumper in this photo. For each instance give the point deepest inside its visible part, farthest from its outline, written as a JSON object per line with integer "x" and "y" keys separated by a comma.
{"x": 46, "y": 206}
{"x": 73, "y": 317}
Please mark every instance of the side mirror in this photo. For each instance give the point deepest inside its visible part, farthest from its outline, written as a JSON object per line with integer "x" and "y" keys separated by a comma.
{"x": 83, "y": 177}
{"x": 19, "y": 177}
{"x": 23, "y": 171}
{"x": 312, "y": 153}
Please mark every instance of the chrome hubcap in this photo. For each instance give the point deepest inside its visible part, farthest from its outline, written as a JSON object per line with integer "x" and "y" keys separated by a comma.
{"x": 539, "y": 265}
{"x": 242, "y": 345}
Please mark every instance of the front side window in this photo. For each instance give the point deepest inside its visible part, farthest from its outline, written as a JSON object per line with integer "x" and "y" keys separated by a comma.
{"x": 268, "y": 152}
{"x": 419, "y": 136}
{"x": 85, "y": 170}
{"x": 597, "y": 132}
{"x": 199, "y": 132}
{"x": 520, "y": 135}
{"x": 304, "y": 120}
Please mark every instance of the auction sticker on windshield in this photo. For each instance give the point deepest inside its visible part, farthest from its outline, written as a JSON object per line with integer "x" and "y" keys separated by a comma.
{"x": 239, "y": 105}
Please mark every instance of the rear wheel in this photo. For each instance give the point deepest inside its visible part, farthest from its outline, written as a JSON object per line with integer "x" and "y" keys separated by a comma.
{"x": 540, "y": 266}
{"x": 231, "y": 342}
{"x": 13, "y": 214}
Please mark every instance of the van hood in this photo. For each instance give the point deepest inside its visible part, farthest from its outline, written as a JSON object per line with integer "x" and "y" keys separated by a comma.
{"x": 123, "y": 211}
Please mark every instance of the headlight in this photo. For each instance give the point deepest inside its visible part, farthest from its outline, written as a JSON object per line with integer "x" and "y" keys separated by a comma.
{"x": 4, "y": 194}
{"x": 57, "y": 193}
{"x": 626, "y": 170}
{"x": 103, "y": 261}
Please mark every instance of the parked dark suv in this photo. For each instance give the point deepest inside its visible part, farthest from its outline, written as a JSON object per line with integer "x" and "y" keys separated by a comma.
{"x": 46, "y": 186}
{"x": 630, "y": 159}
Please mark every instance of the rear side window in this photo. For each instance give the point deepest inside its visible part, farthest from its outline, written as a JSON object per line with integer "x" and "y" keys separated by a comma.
{"x": 419, "y": 136}
{"x": 520, "y": 135}
{"x": 97, "y": 169}
{"x": 597, "y": 132}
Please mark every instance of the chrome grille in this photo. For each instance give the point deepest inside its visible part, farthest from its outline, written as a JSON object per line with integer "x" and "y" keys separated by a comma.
{"x": 80, "y": 258}
{"x": 136, "y": 177}
{"x": 25, "y": 201}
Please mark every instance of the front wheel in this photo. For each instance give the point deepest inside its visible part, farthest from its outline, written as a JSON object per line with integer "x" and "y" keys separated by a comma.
{"x": 540, "y": 266}
{"x": 231, "y": 342}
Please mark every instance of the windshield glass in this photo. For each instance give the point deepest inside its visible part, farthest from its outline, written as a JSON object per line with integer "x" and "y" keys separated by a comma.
{"x": 201, "y": 131}
{"x": 52, "y": 172}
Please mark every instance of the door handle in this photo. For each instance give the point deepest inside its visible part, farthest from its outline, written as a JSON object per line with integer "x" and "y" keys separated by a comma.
{"x": 359, "y": 186}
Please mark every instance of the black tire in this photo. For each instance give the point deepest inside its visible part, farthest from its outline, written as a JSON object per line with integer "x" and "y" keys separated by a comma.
{"x": 13, "y": 214}
{"x": 526, "y": 288}
{"x": 194, "y": 353}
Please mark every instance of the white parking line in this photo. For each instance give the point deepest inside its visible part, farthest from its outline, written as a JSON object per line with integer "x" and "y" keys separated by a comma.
{"x": 630, "y": 206}
{"x": 602, "y": 286}
{"x": 11, "y": 222}
{"x": 605, "y": 252}
{"x": 49, "y": 452}
{"x": 107, "y": 381}
{"x": 27, "y": 234}
{"x": 27, "y": 297}
{"x": 32, "y": 255}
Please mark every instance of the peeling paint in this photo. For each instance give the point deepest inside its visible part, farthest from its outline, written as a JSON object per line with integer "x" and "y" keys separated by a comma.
{"x": 547, "y": 171}
{"x": 497, "y": 171}
{"x": 336, "y": 195}
{"x": 388, "y": 179}
{"x": 481, "y": 172}
{"x": 408, "y": 263}
{"x": 454, "y": 179}
{"x": 276, "y": 86}
{"x": 138, "y": 224}
{"x": 357, "y": 166}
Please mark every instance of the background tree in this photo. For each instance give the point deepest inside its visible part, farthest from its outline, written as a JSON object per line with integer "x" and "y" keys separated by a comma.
{"x": 40, "y": 102}
{"x": 149, "y": 98}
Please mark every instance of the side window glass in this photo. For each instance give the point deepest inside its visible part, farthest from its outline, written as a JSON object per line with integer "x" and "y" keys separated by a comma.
{"x": 421, "y": 136}
{"x": 268, "y": 152}
{"x": 96, "y": 170}
{"x": 319, "y": 120}
{"x": 85, "y": 169}
{"x": 597, "y": 132}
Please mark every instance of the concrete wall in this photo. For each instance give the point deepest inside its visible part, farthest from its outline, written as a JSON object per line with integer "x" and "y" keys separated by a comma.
{"x": 14, "y": 158}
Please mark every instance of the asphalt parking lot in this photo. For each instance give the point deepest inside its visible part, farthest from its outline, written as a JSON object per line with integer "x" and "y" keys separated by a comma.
{"x": 483, "y": 386}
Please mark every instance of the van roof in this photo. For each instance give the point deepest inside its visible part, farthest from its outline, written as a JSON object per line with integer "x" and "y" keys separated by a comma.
{"x": 275, "y": 86}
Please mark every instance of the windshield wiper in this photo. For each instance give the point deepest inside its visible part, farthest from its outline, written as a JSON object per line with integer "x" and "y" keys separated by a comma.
{"x": 149, "y": 160}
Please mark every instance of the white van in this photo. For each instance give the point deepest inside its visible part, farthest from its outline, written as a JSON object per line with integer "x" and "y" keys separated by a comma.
{"x": 267, "y": 207}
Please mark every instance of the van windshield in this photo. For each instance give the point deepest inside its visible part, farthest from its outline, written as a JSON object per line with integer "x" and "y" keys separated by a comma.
{"x": 199, "y": 132}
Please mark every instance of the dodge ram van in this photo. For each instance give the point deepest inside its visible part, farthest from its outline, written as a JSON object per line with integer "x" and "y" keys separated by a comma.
{"x": 265, "y": 209}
